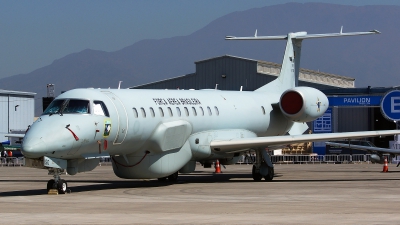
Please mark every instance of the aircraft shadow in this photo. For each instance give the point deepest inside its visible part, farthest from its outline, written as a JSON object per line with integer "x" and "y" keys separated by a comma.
{"x": 97, "y": 185}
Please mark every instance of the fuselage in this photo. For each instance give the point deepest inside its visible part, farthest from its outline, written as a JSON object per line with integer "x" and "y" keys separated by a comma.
{"x": 121, "y": 121}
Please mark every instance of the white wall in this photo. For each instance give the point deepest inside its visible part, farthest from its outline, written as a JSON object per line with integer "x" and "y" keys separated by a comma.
{"x": 11, "y": 119}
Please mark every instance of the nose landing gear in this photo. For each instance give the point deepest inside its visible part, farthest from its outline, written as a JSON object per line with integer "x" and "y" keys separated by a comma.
{"x": 59, "y": 184}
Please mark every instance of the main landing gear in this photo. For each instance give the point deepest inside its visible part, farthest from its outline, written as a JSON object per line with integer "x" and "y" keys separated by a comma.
{"x": 57, "y": 183}
{"x": 172, "y": 178}
{"x": 263, "y": 167}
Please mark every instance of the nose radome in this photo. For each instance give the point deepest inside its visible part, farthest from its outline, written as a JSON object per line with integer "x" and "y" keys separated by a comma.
{"x": 33, "y": 147}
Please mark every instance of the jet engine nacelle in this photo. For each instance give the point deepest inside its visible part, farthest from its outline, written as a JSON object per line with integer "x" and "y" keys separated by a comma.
{"x": 303, "y": 104}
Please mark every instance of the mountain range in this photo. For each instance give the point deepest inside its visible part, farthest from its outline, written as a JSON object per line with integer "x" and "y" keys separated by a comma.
{"x": 372, "y": 60}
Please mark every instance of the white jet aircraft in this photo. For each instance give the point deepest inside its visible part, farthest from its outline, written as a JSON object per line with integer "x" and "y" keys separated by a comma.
{"x": 156, "y": 133}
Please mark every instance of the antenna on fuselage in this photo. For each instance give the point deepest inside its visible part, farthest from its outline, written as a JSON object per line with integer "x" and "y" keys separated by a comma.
{"x": 216, "y": 86}
{"x": 119, "y": 85}
{"x": 241, "y": 88}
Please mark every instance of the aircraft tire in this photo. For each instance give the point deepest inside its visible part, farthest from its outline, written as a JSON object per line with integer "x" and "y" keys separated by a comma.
{"x": 173, "y": 177}
{"x": 50, "y": 185}
{"x": 270, "y": 175}
{"x": 62, "y": 186}
{"x": 256, "y": 176}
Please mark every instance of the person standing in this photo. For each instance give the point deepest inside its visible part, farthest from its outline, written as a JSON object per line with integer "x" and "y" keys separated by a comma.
{"x": 3, "y": 153}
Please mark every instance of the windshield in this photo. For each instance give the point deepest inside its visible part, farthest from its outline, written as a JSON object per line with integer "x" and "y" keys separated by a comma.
{"x": 54, "y": 107}
{"x": 68, "y": 106}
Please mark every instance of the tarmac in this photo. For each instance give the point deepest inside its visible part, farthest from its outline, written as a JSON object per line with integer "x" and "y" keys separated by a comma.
{"x": 299, "y": 194}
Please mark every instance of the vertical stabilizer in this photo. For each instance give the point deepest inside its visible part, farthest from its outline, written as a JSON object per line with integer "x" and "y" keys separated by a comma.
{"x": 289, "y": 75}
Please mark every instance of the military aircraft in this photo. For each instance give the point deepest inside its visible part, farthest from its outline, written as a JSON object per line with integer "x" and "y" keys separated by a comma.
{"x": 377, "y": 153}
{"x": 158, "y": 133}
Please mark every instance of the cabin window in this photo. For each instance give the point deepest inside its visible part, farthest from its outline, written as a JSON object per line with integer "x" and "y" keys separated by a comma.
{"x": 135, "y": 113}
{"x": 194, "y": 111}
{"x": 263, "y": 110}
{"x": 202, "y": 111}
{"x": 170, "y": 111}
{"x": 186, "y": 111}
{"x": 216, "y": 110}
{"x": 143, "y": 112}
{"x": 99, "y": 108}
{"x": 161, "y": 111}
{"x": 209, "y": 111}
{"x": 178, "y": 110}
{"x": 152, "y": 112}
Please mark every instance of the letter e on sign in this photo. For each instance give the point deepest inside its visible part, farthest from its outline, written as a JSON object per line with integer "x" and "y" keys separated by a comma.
{"x": 390, "y": 105}
{"x": 395, "y": 106}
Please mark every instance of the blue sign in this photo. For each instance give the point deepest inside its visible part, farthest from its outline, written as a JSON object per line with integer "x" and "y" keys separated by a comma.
{"x": 322, "y": 125}
{"x": 390, "y": 105}
{"x": 354, "y": 100}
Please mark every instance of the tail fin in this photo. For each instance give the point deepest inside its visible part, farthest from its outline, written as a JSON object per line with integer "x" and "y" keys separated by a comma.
{"x": 289, "y": 75}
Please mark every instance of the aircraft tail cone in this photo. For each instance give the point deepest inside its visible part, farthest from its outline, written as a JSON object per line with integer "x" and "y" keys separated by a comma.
{"x": 385, "y": 166}
{"x": 217, "y": 167}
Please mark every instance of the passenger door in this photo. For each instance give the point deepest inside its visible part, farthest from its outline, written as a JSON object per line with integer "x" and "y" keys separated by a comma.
{"x": 122, "y": 116}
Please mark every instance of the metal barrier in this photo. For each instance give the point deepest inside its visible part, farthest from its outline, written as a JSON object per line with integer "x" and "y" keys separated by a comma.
{"x": 276, "y": 159}
{"x": 319, "y": 159}
{"x": 12, "y": 161}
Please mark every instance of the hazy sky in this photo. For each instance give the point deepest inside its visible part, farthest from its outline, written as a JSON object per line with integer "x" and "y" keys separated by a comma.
{"x": 35, "y": 33}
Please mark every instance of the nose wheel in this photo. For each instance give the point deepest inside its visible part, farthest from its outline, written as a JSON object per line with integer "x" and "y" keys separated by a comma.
{"x": 59, "y": 184}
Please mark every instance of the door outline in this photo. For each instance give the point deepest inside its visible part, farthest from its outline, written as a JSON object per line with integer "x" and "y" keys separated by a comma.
{"x": 122, "y": 127}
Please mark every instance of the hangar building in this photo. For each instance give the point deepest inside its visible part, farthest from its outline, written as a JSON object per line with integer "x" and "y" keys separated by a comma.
{"x": 230, "y": 73}
{"x": 16, "y": 112}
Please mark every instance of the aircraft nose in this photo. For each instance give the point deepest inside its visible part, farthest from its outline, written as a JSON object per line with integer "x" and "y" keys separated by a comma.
{"x": 33, "y": 147}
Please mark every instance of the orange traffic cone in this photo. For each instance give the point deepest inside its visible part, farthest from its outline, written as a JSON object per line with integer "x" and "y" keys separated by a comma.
{"x": 217, "y": 167}
{"x": 385, "y": 166}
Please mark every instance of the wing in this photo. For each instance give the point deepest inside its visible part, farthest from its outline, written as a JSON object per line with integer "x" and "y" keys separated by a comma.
{"x": 365, "y": 148}
{"x": 245, "y": 143}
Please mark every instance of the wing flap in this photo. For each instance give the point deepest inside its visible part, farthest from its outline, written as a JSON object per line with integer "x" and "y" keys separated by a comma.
{"x": 237, "y": 144}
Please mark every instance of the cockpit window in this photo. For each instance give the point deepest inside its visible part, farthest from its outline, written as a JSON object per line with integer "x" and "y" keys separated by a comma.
{"x": 76, "y": 106}
{"x": 61, "y": 106}
{"x": 99, "y": 108}
{"x": 54, "y": 107}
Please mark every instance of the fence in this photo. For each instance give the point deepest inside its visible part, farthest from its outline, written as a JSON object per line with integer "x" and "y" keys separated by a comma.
{"x": 11, "y": 161}
{"x": 317, "y": 159}
{"x": 276, "y": 159}
{"x": 14, "y": 161}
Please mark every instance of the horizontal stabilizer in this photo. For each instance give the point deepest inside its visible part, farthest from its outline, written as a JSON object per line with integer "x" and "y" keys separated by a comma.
{"x": 302, "y": 35}
{"x": 245, "y": 143}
